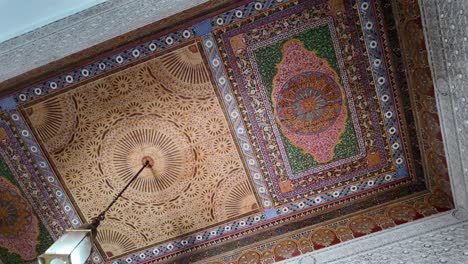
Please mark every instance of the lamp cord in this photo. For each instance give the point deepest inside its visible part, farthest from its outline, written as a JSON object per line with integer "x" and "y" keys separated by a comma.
{"x": 102, "y": 215}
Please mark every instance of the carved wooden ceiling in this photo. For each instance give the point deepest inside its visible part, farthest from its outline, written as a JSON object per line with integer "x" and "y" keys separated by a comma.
{"x": 273, "y": 128}
{"x": 164, "y": 109}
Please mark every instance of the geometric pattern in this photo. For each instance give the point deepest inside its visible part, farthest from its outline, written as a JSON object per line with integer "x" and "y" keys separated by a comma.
{"x": 274, "y": 128}
{"x": 384, "y": 157}
{"x": 97, "y": 136}
{"x": 330, "y": 135}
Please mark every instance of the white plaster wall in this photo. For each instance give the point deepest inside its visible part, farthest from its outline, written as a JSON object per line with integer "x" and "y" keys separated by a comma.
{"x": 441, "y": 239}
{"x": 83, "y": 30}
{"x": 21, "y": 16}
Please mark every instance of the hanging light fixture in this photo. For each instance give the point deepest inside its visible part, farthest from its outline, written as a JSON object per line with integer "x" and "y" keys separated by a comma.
{"x": 74, "y": 246}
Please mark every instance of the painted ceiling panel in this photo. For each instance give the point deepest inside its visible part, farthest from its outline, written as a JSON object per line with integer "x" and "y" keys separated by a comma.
{"x": 169, "y": 115}
{"x": 273, "y": 128}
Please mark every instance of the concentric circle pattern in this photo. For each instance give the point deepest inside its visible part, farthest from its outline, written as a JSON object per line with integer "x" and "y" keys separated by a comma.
{"x": 309, "y": 103}
{"x": 128, "y": 145}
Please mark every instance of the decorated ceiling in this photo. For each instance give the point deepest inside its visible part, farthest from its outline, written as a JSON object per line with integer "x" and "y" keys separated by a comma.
{"x": 273, "y": 128}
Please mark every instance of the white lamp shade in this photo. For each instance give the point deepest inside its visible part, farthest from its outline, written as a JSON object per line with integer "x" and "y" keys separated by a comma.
{"x": 73, "y": 247}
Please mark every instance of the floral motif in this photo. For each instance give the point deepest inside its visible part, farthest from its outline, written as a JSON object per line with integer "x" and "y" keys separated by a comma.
{"x": 147, "y": 233}
{"x": 324, "y": 238}
{"x": 192, "y": 191}
{"x": 93, "y": 149}
{"x": 133, "y": 220}
{"x": 200, "y": 173}
{"x": 186, "y": 222}
{"x": 176, "y": 116}
{"x": 200, "y": 153}
{"x": 222, "y": 145}
{"x": 208, "y": 214}
{"x": 285, "y": 249}
{"x": 163, "y": 93}
{"x": 100, "y": 129}
{"x": 114, "y": 116}
{"x": 93, "y": 212}
{"x": 77, "y": 142}
{"x": 133, "y": 107}
{"x": 62, "y": 156}
{"x": 83, "y": 123}
{"x": 81, "y": 100}
{"x": 249, "y": 257}
{"x": 214, "y": 126}
{"x": 402, "y": 214}
{"x": 95, "y": 168}
{"x": 158, "y": 209}
{"x": 18, "y": 226}
{"x": 192, "y": 133}
{"x": 184, "y": 104}
{"x": 123, "y": 84}
{"x": 73, "y": 177}
{"x": 309, "y": 103}
{"x": 168, "y": 228}
{"x": 103, "y": 91}
{"x": 114, "y": 212}
{"x": 177, "y": 203}
{"x": 155, "y": 107}
{"x": 186, "y": 68}
{"x": 231, "y": 166}
{"x": 146, "y": 76}
{"x": 363, "y": 226}
{"x": 84, "y": 194}
{"x": 207, "y": 196}
{"x": 216, "y": 176}
{"x": 205, "y": 104}
{"x": 140, "y": 210}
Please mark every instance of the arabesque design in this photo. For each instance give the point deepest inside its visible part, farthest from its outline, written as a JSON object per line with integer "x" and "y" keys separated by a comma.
{"x": 129, "y": 117}
{"x": 221, "y": 109}
{"x": 17, "y": 220}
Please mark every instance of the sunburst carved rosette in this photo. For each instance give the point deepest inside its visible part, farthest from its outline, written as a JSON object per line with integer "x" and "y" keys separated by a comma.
{"x": 54, "y": 121}
{"x": 158, "y": 140}
{"x": 186, "y": 67}
{"x": 236, "y": 200}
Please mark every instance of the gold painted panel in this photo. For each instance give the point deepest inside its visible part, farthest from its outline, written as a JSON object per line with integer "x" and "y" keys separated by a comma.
{"x": 164, "y": 109}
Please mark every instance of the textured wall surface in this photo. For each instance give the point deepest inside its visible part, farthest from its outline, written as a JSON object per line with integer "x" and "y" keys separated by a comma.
{"x": 440, "y": 239}
{"x": 81, "y": 31}
{"x": 447, "y": 245}
{"x": 446, "y": 26}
